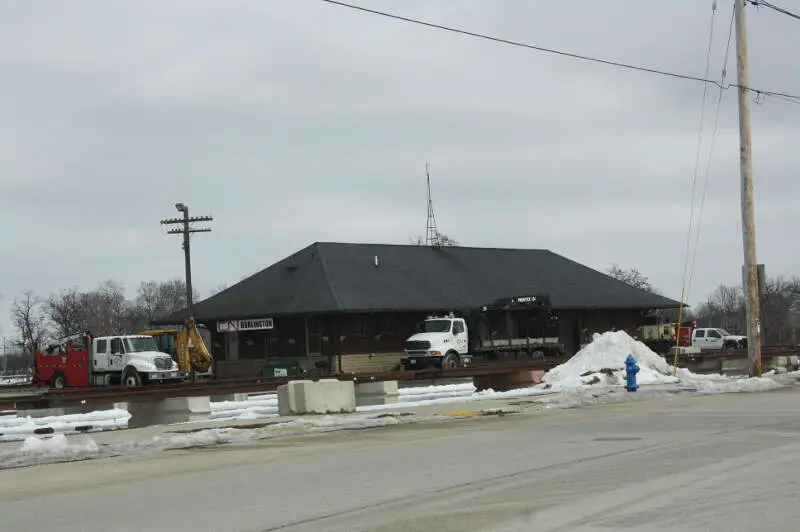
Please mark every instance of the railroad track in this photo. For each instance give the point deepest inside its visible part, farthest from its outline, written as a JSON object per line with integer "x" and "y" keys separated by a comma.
{"x": 80, "y": 396}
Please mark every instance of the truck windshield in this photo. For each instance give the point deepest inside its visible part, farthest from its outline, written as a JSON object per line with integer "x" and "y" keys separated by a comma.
{"x": 437, "y": 326}
{"x": 723, "y": 332}
{"x": 139, "y": 345}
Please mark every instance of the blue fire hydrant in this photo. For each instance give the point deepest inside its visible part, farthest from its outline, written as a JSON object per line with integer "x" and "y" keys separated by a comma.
{"x": 631, "y": 369}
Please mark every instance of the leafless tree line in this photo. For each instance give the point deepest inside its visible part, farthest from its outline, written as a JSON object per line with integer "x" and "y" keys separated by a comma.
{"x": 725, "y": 307}
{"x": 102, "y": 310}
{"x": 779, "y": 304}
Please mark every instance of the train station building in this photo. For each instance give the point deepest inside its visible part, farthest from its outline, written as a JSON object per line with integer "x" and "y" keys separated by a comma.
{"x": 350, "y": 307}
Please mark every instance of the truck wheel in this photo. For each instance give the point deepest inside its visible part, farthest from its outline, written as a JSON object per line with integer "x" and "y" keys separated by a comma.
{"x": 58, "y": 381}
{"x": 450, "y": 361}
{"x": 131, "y": 377}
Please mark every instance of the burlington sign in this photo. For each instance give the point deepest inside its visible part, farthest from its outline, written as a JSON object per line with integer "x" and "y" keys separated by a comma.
{"x": 245, "y": 325}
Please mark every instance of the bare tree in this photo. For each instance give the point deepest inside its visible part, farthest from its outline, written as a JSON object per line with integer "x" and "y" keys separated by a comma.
{"x": 67, "y": 311}
{"x": 444, "y": 240}
{"x": 155, "y": 299}
{"x": 29, "y": 319}
{"x": 106, "y": 308}
{"x": 447, "y": 240}
{"x": 632, "y": 277}
{"x": 779, "y": 306}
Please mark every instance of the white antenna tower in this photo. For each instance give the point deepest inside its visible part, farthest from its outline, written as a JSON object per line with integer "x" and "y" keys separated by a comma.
{"x": 431, "y": 232}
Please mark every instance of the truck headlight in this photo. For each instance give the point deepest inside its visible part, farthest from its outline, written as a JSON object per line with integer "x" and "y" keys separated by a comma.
{"x": 435, "y": 353}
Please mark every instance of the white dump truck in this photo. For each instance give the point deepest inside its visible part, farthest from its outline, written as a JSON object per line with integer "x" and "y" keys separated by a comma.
{"x": 521, "y": 327}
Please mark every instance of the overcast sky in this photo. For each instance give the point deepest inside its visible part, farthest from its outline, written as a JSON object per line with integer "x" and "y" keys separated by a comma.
{"x": 294, "y": 121}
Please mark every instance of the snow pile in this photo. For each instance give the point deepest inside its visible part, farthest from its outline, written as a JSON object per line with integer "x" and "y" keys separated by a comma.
{"x": 15, "y": 428}
{"x": 603, "y": 362}
{"x": 56, "y": 449}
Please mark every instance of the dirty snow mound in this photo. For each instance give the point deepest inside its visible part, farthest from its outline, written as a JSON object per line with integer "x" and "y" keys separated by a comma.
{"x": 603, "y": 362}
{"x": 58, "y": 447}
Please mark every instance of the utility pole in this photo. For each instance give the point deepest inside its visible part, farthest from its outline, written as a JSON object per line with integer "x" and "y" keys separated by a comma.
{"x": 748, "y": 215}
{"x": 186, "y": 230}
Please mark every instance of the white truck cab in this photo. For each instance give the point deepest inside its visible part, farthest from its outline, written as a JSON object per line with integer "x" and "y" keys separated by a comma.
{"x": 443, "y": 342}
{"x": 710, "y": 338}
{"x": 133, "y": 359}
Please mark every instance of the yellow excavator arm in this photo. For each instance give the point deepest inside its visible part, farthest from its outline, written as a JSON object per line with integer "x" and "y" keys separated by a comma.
{"x": 197, "y": 358}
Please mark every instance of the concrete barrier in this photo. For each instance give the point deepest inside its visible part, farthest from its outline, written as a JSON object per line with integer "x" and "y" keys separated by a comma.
{"x": 326, "y": 396}
{"x": 376, "y": 393}
{"x": 508, "y": 381}
{"x": 176, "y": 410}
{"x": 734, "y": 366}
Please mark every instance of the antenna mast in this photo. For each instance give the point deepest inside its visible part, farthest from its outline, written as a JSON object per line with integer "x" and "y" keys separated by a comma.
{"x": 431, "y": 232}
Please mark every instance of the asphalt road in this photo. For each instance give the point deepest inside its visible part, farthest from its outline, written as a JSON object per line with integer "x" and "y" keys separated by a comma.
{"x": 726, "y": 462}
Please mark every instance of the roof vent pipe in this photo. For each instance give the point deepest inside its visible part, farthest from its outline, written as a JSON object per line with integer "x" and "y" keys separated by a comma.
{"x": 376, "y": 261}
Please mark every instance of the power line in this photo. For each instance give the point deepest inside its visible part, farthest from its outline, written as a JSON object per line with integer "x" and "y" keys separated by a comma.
{"x": 685, "y": 288}
{"x": 710, "y": 156}
{"x": 759, "y": 3}
{"x": 758, "y": 92}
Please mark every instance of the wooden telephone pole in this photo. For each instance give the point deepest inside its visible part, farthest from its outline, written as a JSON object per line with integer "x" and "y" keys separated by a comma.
{"x": 186, "y": 230}
{"x": 748, "y": 215}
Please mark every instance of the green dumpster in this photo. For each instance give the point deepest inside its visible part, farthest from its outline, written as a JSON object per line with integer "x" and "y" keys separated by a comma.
{"x": 281, "y": 367}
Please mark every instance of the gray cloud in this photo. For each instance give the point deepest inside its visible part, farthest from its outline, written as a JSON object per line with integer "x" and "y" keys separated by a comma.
{"x": 292, "y": 122}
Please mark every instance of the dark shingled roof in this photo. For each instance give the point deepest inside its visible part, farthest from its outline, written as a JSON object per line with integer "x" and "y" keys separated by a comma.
{"x": 336, "y": 277}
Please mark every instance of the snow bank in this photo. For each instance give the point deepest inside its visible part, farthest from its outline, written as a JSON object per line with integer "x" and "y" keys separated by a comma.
{"x": 603, "y": 362}
{"x": 36, "y": 451}
{"x": 15, "y": 428}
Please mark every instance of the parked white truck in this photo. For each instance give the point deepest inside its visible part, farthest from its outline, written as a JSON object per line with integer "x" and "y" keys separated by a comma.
{"x": 512, "y": 328}
{"x": 709, "y": 338}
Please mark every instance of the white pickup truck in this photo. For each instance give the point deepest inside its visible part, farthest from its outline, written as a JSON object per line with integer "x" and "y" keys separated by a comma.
{"x": 713, "y": 339}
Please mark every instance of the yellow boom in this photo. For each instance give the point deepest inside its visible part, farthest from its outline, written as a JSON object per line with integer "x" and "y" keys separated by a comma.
{"x": 191, "y": 350}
